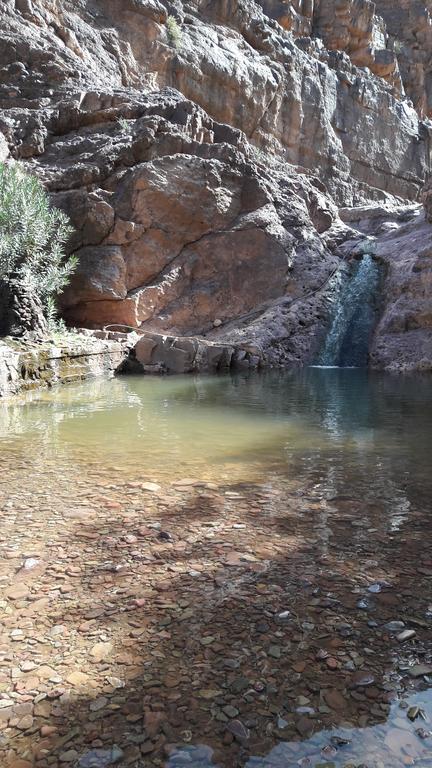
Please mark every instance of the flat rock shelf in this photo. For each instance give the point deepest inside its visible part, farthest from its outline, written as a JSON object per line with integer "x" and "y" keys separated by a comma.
{"x": 29, "y": 365}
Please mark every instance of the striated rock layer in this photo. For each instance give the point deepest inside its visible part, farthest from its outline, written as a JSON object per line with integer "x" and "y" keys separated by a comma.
{"x": 202, "y": 161}
{"x": 27, "y": 366}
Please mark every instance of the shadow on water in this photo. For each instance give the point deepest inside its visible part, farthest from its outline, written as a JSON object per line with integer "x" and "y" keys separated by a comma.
{"x": 247, "y": 609}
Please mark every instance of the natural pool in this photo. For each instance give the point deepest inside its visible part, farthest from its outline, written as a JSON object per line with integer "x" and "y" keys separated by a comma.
{"x": 218, "y": 571}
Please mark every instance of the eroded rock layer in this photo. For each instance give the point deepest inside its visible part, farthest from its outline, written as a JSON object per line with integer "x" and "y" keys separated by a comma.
{"x": 201, "y": 151}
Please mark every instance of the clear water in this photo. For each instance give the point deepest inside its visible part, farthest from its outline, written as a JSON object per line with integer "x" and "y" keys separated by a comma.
{"x": 348, "y": 338}
{"x": 300, "y": 491}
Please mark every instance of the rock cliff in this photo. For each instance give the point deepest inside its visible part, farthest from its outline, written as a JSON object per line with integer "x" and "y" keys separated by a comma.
{"x": 203, "y": 150}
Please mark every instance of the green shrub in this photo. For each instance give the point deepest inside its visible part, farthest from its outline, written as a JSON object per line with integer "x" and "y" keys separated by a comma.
{"x": 32, "y": 238}
{"x": 124, "y": 125}
{"x": 173, "y": 31}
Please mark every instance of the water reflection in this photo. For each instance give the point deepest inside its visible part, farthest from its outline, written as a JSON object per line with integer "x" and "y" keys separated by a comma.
{"x": 397, "y": 743}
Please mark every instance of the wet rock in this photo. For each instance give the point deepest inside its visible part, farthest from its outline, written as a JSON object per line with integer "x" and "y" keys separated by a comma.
{"x": 394, "y": 626}
{"x": 98, "y": 704}
{"x": 275, "y": 651}
{"x": 239, "y": 685}
{"x": 69, "y": 756}
{"x": 420, "y": 670}
{"x": 100, "y": 758}
{"x": 335, "y": 700}
{"x": 362, "y": 679}
{"x": 230, "y": 711}
{"x": 375, "y": 588}
{"x": 305, "y": 726}
{"x": 423, "y": 734}
{"x": 239, "y": 731}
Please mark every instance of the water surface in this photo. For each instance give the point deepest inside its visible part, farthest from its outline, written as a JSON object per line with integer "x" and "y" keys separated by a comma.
{"x": 243, "y": 545}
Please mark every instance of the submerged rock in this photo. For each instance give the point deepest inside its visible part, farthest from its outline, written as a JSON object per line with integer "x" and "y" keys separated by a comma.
{"x": 100, "y": 758}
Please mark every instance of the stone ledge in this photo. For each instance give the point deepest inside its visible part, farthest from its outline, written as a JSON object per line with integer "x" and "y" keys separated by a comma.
{"x": 29, "y": 365}
{"x": 158, "y": 353}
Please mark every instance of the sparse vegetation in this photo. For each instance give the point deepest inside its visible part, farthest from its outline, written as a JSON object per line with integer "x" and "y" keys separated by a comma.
{"x": 32, "y": 239}
{"x": 124, "y": 125}
{"x": 173, "y": 31}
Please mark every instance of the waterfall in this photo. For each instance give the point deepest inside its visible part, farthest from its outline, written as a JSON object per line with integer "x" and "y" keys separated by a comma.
{"x": 354, "y": 317}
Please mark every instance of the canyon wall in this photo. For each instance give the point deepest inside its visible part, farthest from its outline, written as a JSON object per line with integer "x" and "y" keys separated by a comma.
{"x": 202, "y": 151}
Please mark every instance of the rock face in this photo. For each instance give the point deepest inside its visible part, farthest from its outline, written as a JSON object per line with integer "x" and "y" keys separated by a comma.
{"x": 26, "y": 366}
{"x": 202, "y": 168}
{"x": 409, "y": 24}
{"x": 156, "y": 353}
{"x": 20, "y": 310}
{"x": 427, "y": 200}
{"x": 401, "y": 240}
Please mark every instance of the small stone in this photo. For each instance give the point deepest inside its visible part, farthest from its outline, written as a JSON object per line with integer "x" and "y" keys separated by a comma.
{"x": 68, "y": 757}
{"x": 147, "y": 747}
{"x": 413, "y": 713}
{"x": 151, "y": 487}
{"x": 363, "y": 604}
{"x": 98, "y": 704}
{"x": 394, "y": 626}
{"x": 239, "y": 731}
{"x": 407, "y": 634}
{"x": 284, "y": 616}
{"x": 361, "y": 679}
{"x": 305, "y": 726}
{"x": 165, "y": 536}
{"x": 25, "y": 723}
{"x": 16, "y": 593}
{"x": 322, "y": 654}
{"x": 274, "y": 651}
{"x": 335, "y": 700}
{"x": 332, "y": 663}
{"x": 230, "y": 711}
{"x": 77, "y": 678}
{"x": 419, "y": 670}
{"x": 423, "y": 734}
{"x": 101, "y": 651}
{"x": 27, "y": 666}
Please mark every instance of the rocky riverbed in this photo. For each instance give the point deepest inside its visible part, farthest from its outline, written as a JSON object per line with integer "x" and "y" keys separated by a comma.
{"x": 242, "y": 615}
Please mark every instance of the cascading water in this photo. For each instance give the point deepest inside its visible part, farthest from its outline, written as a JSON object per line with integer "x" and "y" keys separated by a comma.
{"x": 356, "y": 306}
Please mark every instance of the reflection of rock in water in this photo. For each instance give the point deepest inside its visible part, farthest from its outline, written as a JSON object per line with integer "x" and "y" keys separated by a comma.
{"x": 347, "y": 341}
{"x": 389, "y": 744}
